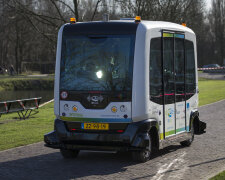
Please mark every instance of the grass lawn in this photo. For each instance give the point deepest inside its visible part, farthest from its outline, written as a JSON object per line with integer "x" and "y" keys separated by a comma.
{"x": 14, "y": 132}
{"x": 211, "y": 91}
{"x": 220, "y": 176}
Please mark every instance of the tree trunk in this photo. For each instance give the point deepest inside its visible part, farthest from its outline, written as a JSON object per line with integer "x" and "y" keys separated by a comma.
{"x": 96, "y": 7}
{"x": 76, "y": 9}
{"x": 16, "y": 49}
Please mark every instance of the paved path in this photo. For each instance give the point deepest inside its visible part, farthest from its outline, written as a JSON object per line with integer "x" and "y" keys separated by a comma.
{"x": 203, "y": 159}
{"x": 219, "y": 76}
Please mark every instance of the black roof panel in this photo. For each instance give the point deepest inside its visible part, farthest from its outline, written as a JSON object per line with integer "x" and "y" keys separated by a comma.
{"x": 100, "y": 28}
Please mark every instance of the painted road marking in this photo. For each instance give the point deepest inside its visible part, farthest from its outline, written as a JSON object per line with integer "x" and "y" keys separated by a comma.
{"x": 168, "y": 167}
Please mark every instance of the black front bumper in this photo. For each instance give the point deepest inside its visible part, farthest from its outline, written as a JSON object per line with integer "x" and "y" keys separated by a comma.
{"x": 135, "y": 137}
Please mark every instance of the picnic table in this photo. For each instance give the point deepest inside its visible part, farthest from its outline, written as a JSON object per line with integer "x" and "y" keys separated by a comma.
{"x": 23, "y": 107}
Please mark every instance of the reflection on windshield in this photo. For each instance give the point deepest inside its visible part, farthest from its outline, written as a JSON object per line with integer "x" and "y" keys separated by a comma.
{"x": 97, "y": 63}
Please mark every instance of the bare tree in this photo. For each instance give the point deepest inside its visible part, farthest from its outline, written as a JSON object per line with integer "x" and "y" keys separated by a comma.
{"x": 217, "y": 21}
{"x": 28, "y": 28}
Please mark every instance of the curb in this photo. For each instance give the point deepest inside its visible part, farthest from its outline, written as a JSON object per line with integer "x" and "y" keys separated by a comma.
{"x": 212, "y": 103}
{"x": 46, "y": 103}
{"x": 20, "y": 147}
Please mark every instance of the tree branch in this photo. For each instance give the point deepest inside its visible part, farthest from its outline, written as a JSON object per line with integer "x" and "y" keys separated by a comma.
{"x": 36, "y": 28}
{"x": 57, "y": 9}
{"x": 67, "y": 6}
{"x": 96, "y": 7}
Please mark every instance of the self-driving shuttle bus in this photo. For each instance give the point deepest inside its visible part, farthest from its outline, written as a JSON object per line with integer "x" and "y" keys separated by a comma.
{"x": 126, "y": 85}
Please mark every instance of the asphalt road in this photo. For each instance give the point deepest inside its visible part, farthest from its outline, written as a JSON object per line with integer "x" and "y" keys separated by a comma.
{"x": 203, "y": 159}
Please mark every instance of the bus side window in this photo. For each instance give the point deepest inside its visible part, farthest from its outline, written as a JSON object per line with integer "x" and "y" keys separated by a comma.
{"x": 155, "y": 71}
{"x": 190, "y": 69}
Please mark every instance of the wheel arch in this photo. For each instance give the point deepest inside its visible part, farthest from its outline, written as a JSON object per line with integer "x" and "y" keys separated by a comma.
{"x": 154, "y": 134}
{"x": 149, "y": 127}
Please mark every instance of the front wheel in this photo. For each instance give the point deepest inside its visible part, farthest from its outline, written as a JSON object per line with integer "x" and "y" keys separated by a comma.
{"x": 69, "y": 154}
{"x": 189, "y": 141}
{"x": 143, "y": 155}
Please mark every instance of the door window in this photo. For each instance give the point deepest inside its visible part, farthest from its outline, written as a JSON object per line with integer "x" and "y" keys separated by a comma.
{"x": 168, "y": 68}
{"x": 179, "y": 69}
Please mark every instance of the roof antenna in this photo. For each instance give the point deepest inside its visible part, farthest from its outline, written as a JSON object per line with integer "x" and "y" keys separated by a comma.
{"x": 105, "y": 17}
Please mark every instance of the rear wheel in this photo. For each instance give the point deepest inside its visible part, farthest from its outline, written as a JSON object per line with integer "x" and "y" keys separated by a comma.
{"x": 143, "y": 155}
{"x": 69, "y": 154}
{"x": 189, "y": 141}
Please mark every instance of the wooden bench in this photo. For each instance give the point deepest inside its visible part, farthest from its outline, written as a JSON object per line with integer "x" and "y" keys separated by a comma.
{"x": 23, "y": 107}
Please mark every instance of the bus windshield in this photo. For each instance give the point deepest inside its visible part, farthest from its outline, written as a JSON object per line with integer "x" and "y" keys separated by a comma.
{"x": 97, "y": 62}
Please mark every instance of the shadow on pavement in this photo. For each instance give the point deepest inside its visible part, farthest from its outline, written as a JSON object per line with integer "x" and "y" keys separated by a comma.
{"x": 167, "y": 150}
{"x": 53, "y": 166}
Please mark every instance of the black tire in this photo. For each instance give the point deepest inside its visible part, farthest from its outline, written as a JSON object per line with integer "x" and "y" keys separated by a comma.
{"x": 143, "y": 155}
{"x": 189, "y": 141}
{"x": 69, "y": 154}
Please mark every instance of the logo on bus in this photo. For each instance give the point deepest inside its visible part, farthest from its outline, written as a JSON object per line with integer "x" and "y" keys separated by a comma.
{"x": 170, "y": 112}
{"x": 95, "y": 99}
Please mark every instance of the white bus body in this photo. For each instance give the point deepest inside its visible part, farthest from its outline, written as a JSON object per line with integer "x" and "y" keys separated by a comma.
{"x": 125, "y": 86}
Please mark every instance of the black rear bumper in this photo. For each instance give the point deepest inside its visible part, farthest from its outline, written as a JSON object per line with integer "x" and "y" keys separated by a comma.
{"x": 135, "y": 137}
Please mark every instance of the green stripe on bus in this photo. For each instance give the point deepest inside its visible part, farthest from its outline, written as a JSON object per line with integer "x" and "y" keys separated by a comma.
{"x": 173, "y": 132}
{"x": 170, "y": 133}
{"x": 167, "y": 35}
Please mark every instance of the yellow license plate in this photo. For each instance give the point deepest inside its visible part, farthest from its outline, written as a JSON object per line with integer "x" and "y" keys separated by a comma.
{"x": 95, "y": 126}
